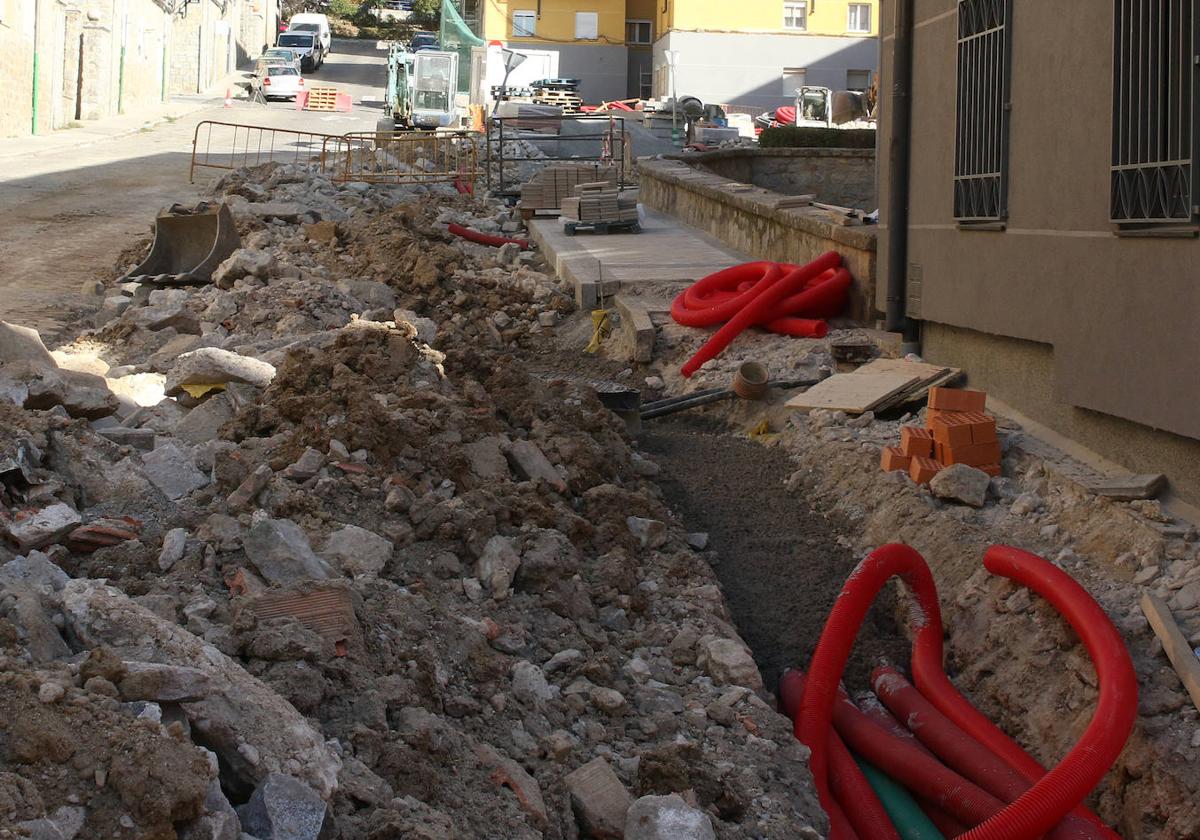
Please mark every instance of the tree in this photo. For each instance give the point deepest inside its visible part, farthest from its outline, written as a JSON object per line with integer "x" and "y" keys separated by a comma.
{"x": 427, "y": 13}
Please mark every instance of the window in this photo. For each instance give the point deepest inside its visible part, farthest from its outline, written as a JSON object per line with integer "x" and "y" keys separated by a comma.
{"x": 793, "y": 78}
{"x": 981, "y": 134}
{"x": 795, "y": 15}
{"x": 646, "y": 84}
{"x": 587, "y": 26}
{"x": 1155, "y": 179}
{"x": 524, "y": 24}
{"x": 858, "y": 18}
{"x": 638, "y": 32}
{"x": 859, "y": 80}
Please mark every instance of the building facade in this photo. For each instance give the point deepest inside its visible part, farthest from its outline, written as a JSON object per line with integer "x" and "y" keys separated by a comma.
{"x": 587, "y": 35}
{"x": 754, "y": 54}
{"x": 64, "y": 63}
{"x": 1051, "y": 244}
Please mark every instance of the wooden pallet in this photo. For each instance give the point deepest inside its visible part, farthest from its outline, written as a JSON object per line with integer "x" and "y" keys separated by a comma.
{"x": 571, "y": 228}
{"x": 321, "y": 99}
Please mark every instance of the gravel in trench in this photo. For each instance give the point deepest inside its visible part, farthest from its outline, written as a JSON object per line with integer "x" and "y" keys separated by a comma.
{"x": 779, "y": 562}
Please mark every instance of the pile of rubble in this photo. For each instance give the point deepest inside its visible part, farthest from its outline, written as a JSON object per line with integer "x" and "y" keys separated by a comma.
{"x": 308, "y": 553}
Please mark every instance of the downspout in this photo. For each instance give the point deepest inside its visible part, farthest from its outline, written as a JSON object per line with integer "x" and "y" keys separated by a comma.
{"x": 899, "y": 139}
{"x": 37, "y": 19}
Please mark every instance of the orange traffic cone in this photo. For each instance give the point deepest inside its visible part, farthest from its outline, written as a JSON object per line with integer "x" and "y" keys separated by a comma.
{"x": 228, "y": 97}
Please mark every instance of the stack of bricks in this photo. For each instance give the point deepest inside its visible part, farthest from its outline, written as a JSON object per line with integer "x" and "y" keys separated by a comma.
{"x": 550, "y": 187}
{"x": 600, "y": 202}
{"x": 956, "y": 432}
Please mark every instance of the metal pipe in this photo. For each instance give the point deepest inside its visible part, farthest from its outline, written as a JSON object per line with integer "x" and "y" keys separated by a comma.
{"x": 37, "y": 19}
{"x": 899, "y": 139}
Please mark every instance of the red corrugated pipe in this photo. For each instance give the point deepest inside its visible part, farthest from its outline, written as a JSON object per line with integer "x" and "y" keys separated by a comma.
{"x": 1041, "y": 807}
{"x": 866, "y": 815}
{"x": 486, "y": 238}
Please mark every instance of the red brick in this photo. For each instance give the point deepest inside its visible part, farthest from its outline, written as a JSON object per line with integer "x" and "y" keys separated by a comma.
{"x": 893, "y": 459}
{"x": 951, "y": 430}
{"x": 974, "y": 454}
{"x": 923, "y": 469}
{"x": 957, "y": 399}
{"x": 916, "y": 442}
{"x": 983, "y": 428}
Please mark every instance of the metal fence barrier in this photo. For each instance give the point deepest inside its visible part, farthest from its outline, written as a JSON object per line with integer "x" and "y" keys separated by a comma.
{"x": 402, "y": 157}
{"x": 604, "y": 140}
{"x": 229, "y": 146}
{"x": 372, "y": 157}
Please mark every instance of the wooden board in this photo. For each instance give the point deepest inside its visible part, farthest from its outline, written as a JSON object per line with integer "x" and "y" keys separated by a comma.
{"x": 1185, "y": 663}
{"x": 1128, "y": 488}
{"x": 929, "y": 376}
{"x": 852, "y": 393}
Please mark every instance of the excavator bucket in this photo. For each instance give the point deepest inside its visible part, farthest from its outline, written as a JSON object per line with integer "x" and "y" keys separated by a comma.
{"x": 189, "y": 243}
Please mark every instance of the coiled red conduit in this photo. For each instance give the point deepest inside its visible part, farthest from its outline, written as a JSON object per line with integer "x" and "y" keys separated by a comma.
{"x": 784, "y": 298}
{"x": 1041, "y": 807}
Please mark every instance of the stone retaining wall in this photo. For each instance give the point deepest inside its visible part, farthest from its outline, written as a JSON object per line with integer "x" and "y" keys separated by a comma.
{"x": 834, "y": 176}
{"x": 746, "y": 218}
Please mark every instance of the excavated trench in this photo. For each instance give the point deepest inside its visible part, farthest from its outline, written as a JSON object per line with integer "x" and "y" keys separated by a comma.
{"x": 780, "y": 563}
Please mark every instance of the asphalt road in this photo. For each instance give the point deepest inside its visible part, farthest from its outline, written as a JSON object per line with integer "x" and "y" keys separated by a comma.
{"x": 66, "y": 214}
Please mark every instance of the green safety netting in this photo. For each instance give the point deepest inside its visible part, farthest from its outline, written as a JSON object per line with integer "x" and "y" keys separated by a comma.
{"x": 456, "y": 36}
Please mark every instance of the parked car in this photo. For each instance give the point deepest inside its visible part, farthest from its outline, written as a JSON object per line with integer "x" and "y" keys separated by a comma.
{"x": 307, "y": 48}
{"x": 423, "y": 41}
{"x": 312, "y": 22}
{"x": 281, "y": 53}
{"x": 278, "y": 81}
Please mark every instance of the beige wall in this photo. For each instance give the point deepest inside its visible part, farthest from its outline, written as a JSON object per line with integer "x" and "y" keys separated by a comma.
{"x": 1119, "y": 314}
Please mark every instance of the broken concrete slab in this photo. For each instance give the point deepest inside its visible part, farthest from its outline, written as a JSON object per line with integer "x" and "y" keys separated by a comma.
{"x": 214, "y": 366}
{"x": 254, "y": 730}
{"x": 599, "y": 799}
{"x": 961, "y": 483}
{"x": 280, "y": 552}
{"x": 242, "y": 263}
{"x": 283, "y": 808}
{"x": 728, "y": 662}
{"x": 142, "y": 439}
{"x": 164, "y": 683}
{"x": 1129, "y": 488}
{"x": 370, "y": 293}
{"x": 306, "y": 466}
{"x": 155, "y": 318}
{"x": 173, "y": 545}
{"x": 486, "y": 457}
{"x": 30, "y": 530}
{"x": 203, "y": 423}
{"x": 357, "y": 551}
{"x": 497, "y": 566}
{"x": 35, "y": 570}
{"x": 667, "y": 818}
{"x": 531, "y": 463}
{"x": 172, "y": 471}
{"x": 81, "y": 394}
{"x": 22, "y": 344}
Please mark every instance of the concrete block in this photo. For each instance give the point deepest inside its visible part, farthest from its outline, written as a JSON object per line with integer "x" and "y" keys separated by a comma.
{"x": 637, "y": 326}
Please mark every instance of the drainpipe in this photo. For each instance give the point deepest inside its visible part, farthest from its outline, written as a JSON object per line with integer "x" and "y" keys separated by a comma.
{"x": 899, "y": 138}
{"x": 37, "y": 20}
{"x": 121, "y": 70}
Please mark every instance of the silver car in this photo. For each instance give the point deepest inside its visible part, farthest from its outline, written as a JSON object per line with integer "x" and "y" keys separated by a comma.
{"x": 278, "y": 81}
{"x": 281, "y": 54}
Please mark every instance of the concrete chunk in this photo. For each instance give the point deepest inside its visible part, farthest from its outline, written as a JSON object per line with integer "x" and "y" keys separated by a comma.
{"x": 214, "y": 366}
{"x": 531, "y": 463}
{"x": 282, "y": 808}
{"x": 45, "y": 527}
{"x": 358, "y": 551}
{"x": 280, "y": 552}
{"x": 22, "y": 344}
{"x": 171, "y": 470}
{"x": 599, "y": 799}
{"x": 961, "y": 483}
{"x": 667, "y": 818}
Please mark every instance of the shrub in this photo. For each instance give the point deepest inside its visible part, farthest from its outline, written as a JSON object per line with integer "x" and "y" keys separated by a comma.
{"x": 811, "y": 137}
{"x": 343, "y": 28}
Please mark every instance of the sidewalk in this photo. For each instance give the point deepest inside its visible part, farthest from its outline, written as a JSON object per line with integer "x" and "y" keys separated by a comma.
{"x": 95, "y": 131}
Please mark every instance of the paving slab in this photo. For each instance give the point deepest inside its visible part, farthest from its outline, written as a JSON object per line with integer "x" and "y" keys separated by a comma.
{"x": 600, "y": 265}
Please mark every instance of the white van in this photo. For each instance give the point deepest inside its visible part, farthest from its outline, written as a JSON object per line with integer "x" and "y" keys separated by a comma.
{"x": 317, "y": 24}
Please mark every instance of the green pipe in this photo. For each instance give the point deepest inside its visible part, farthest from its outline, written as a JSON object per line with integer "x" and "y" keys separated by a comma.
{"x": 910, "y": 821}
{"x": 35, "y": 92}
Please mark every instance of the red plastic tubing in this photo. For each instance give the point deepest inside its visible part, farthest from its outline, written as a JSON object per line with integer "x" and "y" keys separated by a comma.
{"x": 765, "y": 306}
{"x": 866, "y": 815}
{"x": 960, "y": 751}
{"x": 486, "y": 238}
{"x": 1041, "y": 807}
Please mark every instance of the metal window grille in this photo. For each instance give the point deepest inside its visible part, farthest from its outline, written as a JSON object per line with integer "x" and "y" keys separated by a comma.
{"x": 981, "y": 147}
{"x": 1155, "y": 110}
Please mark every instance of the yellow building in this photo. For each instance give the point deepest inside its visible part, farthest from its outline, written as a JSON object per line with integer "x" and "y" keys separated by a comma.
{"x": 752, "y": 53}
{"x": 755, "y": 53}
